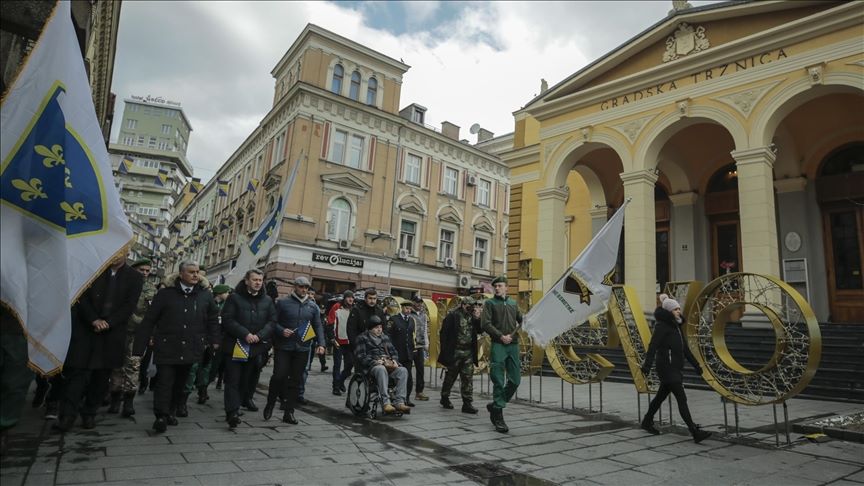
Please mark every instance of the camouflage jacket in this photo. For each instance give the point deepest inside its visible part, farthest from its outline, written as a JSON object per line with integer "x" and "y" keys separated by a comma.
{"x": 144, "y": 300}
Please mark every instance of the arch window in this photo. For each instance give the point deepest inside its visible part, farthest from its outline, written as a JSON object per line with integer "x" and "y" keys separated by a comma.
{"x": 372, "y": 91}
{"x": 339, "y": 220}
{"x": 354, "y": 91}
{"x": 338, "y": 74}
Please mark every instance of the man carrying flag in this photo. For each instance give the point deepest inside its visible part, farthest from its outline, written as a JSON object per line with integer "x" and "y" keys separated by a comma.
{"x": 295, "y": 315}
{"x": 62, "y": 217}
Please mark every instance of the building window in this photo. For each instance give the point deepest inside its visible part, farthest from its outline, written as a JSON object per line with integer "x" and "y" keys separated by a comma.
{"x": 413, "y": 165}
{"x": 445, "y": 245}
{"x": 484, "y": 189}
{"x": 451, "y": 179}
{"x": 354, "y": 91}
{"x": 407, "y": 235}
{"x": 372, "y": 91}
{"x": 340, "y": 140}
{"x": 131, "y": 124}
{"x": 152, "y": 143}
{"x": 140, "y": 140}
{"x": 128, "y": 140}
{"x": 133, "y": 108}
{"x": 355, "y": 152}
{"x": 163, "y": 145}
{"x": 166, "y": 129}
{"x": 279, "y": 155}
{"x": 481, "y": 248}
{"x": 338, "y": 73}
{"x": 417, "y": 117}
{"x": 339, "y": 216}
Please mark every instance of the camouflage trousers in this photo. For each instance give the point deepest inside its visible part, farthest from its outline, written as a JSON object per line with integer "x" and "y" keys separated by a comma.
{"x": 125, "y": 379}
{"x": 199, "y": 374}
{"x": 463, "y": 367}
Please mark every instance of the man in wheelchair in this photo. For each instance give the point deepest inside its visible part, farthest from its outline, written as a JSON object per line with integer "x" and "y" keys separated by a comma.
{"x": 376, "y": 355}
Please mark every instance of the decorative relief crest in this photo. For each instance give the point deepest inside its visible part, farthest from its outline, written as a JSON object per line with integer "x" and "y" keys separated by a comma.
{"x": 686, "y": 40}
{"x": 744, "y": 101}
{"x": 633, "y": 128}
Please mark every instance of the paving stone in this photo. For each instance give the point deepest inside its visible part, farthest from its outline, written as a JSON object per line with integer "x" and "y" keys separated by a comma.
{"x": 160, "y": 449}
{"x": 99, "y": 462}
{"x": 626, "y": 476}
{"x": 214, "y": 456}
{"x": 604, "y": 450}
{"x": 37, "y": 479}
{"x": 80, "y": 476}
{"x": 642, "y": 457}
{"x": 537, "y": 438}
{"x": 579, "y": 470}
{"x": 825, "y": 471}
{"x": 16, "y": 479}
{"x": 169, "y": 471}
{"x": 859, "y": 476}
{"x": 551, "y": 460}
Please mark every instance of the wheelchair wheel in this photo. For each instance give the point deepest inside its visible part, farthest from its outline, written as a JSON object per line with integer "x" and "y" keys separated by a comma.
{"x": 359, "y": 396}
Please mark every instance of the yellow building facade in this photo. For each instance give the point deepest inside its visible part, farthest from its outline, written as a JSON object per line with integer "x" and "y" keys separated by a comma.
{"x": 737, "y": 132}
{"x": 381, "y": 198}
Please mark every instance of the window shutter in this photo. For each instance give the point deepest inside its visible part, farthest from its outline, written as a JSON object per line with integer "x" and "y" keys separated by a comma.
{"x": 464, "y": 175}
{"x": 441, "y": 177}
{"x": 373, "y": 143}
{"x": 427, "y": 173}
{"x": 325, "y": 141}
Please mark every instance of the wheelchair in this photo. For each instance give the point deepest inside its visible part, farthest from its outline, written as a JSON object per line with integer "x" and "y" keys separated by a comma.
{"x": 363, "y": 398}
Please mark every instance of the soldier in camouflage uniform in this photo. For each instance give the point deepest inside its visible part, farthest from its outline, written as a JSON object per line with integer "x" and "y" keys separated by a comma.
{"x": 458, "y": 353}
{"x": 124, "y": 381}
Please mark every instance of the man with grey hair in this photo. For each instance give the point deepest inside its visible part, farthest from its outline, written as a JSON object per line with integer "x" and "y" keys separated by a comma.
{"x": 182, "y": 321}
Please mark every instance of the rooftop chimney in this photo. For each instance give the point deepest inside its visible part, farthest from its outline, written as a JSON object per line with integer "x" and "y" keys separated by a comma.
{"x": 484, "y": 135}
{"x": 450, "y": 130}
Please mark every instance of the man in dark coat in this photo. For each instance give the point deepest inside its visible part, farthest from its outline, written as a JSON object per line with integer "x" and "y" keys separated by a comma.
{"x": 98, "y": 341}
{"x": 401, "y": 329}
{"x": 291, "y": 347}
{"x": 670, "y": 347}
{"x": 458, "y": 352}
{"x": 248, "y": 317}
{"x": 182, "y": 320}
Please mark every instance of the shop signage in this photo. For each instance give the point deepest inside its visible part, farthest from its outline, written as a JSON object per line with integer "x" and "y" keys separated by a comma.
{"x": 695, "y": 78}
{"x": 154, "y": 99}
{"x": 335, "y": 259}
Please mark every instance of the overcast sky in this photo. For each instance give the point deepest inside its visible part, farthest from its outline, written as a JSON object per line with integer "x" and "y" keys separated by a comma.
{"x": 471, "y": 62}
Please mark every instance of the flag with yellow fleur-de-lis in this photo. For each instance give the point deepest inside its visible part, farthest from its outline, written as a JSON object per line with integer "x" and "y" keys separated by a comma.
{"x": 266, "y": 236}
{"x": 61, "y": 213}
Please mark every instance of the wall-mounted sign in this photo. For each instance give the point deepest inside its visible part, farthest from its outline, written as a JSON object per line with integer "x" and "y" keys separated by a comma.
{"x": 335, "y": 259}
{"x": 155, "y": 99}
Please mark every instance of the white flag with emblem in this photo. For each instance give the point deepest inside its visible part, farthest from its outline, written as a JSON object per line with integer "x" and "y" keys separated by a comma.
{"x": 266, "y": 236}
{"x": 62, "y": 218}
{"x": 583, "y": 290}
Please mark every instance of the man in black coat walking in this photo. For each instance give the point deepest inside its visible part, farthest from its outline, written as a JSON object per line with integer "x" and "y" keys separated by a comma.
{"x": 401, "y": 328}
{"x": 248, "y": 319}
{"x": 98, "y": 341}
{"x": 182, "y": 320}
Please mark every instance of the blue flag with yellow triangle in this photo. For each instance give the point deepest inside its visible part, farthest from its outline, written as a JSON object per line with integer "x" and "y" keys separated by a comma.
{"x": 62, "y": 217}
{"x": 305, "y": 332}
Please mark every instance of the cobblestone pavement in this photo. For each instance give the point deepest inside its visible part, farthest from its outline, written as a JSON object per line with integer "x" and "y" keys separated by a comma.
{"x": 550, "y": 442}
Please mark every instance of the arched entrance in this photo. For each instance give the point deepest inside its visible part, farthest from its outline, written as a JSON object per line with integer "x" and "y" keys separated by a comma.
{"x": 840, "y": 192}
{"x": 721, "y": 209}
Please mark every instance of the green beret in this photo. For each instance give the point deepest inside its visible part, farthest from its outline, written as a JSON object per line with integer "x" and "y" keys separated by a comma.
{"x": 142, "y": 261}
{"x": 500, "y": 279}
{"x": 221, "y": 289}
{"x": 468, "y": 301}
{"x": 407, "y": 303}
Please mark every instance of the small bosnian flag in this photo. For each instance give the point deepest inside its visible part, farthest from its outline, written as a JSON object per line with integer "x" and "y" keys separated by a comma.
{"x": 306, "y": 332}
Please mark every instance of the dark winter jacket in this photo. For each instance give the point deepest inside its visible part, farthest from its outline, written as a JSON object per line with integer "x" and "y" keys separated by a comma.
{"x": 669, "y": 346}
{"x": 89, "y": 349}
{"x": 449, "y": 336}
{"x": 291, "y": 313}
{"x": 181, "y": 325}
{"x": 245, "y": 314}
{"x": 500, "y": 317}
{"x": 366, "y": 351}
{"x": 400, "y": 330}
{"x": 358, "y": 319}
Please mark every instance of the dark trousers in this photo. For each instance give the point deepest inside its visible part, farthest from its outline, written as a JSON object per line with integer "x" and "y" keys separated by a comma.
{"x": 408, "y": 364}
{"x": 301, "y": 392}
{"x": 288, "y": 367}
{"x": 337, "y": 365}
{"x": 676, "y": 389}
{"x": 89, "y": 385}
{"x": 419, "y": 370}
{"x": 170, "y": 386}
{"x": 240, "y": 376}
{"x": 15, "y": 378}
{"x": 143, "y": 379}
{"x": 347, "y": 364}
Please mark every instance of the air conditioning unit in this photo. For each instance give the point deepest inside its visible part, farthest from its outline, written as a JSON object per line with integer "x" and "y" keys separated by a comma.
{"x": 344, "y": 244}
{"x": 403, "y": 253}
{"x": 464, "y": 281}
{"x": 472, "y": 180}
{"x": 449, "y": 262}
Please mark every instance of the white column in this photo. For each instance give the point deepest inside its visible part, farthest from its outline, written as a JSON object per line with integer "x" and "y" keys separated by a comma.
{"x": 683, "y": 237}
{"x": 550, "y": 234}
{"x": 640, "y": 252}
{"x": 756, "y": 208}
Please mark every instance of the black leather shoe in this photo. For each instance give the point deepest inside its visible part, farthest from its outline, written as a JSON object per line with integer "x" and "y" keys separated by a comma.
{"x": 233, "y": 420}
{"x": 88, "y": 422}
{"x": 342, "y": 387}
{"x": 250, "y": 405}
{"x": 288, "y": 418}
{"x": 160, "y": 425}
{"x": 699, "y": 435}
{"x": 64, "y": 424}
{"x": 446, "y": 403}
{"x": 468, "y": 408}
{"x": 409, "y": 403}
{"x": 171, "y": 420}
{"x": 268, "y": 410}
{"x": 337, "y": 392}
{"x": 649, "y": 427}
{"x": 302, "y": 401}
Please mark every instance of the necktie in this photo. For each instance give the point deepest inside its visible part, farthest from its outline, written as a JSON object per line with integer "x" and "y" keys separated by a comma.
{"x": 188, "y": 291}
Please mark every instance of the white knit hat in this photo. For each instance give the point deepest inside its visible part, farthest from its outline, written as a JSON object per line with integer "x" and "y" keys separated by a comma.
{"x": 668, "y": 303}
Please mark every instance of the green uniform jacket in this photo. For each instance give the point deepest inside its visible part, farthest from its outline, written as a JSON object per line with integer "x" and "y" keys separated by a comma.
{"x": 500, "y": 317}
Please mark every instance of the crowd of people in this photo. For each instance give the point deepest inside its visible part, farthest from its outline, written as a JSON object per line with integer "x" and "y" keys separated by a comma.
{"x": 196, "y": 334}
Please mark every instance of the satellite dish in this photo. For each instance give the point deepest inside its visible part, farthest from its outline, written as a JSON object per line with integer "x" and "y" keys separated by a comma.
{"x": 474, "y": 128}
